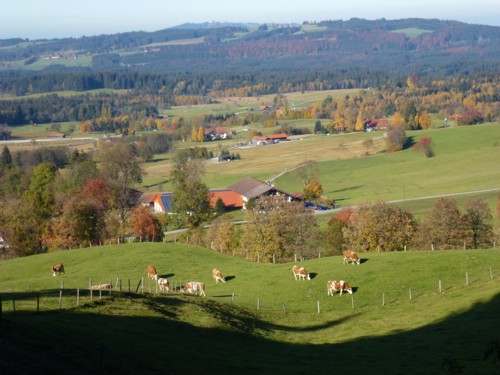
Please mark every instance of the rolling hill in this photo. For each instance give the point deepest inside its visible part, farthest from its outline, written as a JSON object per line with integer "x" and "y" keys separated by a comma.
{"x": 396, "y": 322}
{"x": 427, "y": 46}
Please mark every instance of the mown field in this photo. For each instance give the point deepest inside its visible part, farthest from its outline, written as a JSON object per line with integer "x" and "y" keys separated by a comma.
{"x": 397, "y": 321}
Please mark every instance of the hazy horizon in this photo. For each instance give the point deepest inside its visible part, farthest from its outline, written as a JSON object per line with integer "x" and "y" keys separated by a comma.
{"x": 32, "y": 19}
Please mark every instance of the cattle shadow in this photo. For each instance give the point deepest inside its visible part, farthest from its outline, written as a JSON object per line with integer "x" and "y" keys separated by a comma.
{"x": 363, "y": 260}
{"x": 229, "y": 278}
{"x": 312, "y": 275}
{"x": 354, "y": 289}
{"x": 167, "y": 275}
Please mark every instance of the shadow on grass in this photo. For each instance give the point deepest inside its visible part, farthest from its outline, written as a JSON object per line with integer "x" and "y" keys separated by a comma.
{"x": 161, "y": 335}
{"x": 229, "y": 278}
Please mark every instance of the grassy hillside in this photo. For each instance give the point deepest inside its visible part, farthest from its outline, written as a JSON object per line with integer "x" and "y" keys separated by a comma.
{"x": 465, "y": 160}
{"x": 149, "y": 333}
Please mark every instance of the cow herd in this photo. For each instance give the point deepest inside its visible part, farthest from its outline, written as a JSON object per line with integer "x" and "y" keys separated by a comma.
{"x": 332, "y": 286}
{"x": 198, "y": 287}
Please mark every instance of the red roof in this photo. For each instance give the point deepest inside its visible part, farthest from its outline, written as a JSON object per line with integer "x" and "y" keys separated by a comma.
{"x": 277, "y": 136}
{"x": 230, "y": 198}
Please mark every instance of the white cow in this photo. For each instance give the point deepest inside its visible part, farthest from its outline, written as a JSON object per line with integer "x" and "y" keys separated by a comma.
{"x": 194, "y": 287}
{"x": 338, "y": 285}
{"x": 101, "y": 287}
{"x": 218, "y": 276}
{"x": 163, "y": 284}
{"x": 300, "y": 273}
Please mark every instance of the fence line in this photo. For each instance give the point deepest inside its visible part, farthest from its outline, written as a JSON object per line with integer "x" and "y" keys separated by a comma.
{"x": 51, "y": 296}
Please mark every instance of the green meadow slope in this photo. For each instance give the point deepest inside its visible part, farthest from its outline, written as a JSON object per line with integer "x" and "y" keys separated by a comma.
{"x": 379, "y": 329}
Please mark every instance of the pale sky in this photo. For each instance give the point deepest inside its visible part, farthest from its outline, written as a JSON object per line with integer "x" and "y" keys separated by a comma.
{"x": 39, "y": 19}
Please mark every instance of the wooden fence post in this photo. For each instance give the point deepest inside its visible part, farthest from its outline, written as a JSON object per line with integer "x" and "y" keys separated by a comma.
{"x": 491, "y": 274}
{"x": 318, "y": 307}
{"x": 383, "y": 299}
{"x": 232, "y": 298}
{"x": 60, "y": 299}
{"x": 274, "y": 258}
{"x": 432, "y": 246}
{"x": 258, "y": 304}
{"x": 258, "y": 257}
{"x": 77, "y": 296}
{"x": 440, "y": 289}
{"x": 410, "y": 294}
{"x": 295, "y": 256}
{"x": 91, "y": 294}
{"x": 62, "y": 284}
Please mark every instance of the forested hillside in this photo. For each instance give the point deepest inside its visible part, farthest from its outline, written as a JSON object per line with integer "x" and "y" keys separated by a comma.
{"x": 325, "y": 55}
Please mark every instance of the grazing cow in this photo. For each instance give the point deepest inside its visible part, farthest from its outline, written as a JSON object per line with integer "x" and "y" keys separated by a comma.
{"x": 152, "y": 272}
{"x": 194, "y": 287}
{"x": 350, "y": 256}
{"x": 300, "y": 273}
{"x": 57, "y": 269}
{"x": 338, "y": 285}
{"x": 163, "y": 284}
{"x": 218, "y": 276}
{"x": 101, "y": 287}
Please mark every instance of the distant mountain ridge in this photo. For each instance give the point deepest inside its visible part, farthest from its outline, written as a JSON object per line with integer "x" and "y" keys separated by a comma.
{"x": 216, "y": 25}
{"x": 426, "y": 46}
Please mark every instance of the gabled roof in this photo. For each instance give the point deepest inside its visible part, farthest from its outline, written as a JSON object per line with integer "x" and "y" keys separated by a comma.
{"x": 250, "y": 187}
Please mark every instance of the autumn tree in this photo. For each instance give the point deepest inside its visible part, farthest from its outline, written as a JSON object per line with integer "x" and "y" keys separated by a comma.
{"x": 360, "y": 122}
{"x": 277, "y": 229}
{"x": 222, "y": 235}
{"x": 379, "y": 227}
{"x": 334, "y": 233}
{"x": 82, "y": 221}
{"x": 122, "y": 171}
{"x": 480, "y": 223}
{"x": 424, "y": 120}
{"x": 144, "y": 224}
{"x": 444, "y": 227}
{"x": 21, "y": 229}
{"x": 424, "y": 145}
{"x": 312, "y": 190}
{"x": 396, "y": 138}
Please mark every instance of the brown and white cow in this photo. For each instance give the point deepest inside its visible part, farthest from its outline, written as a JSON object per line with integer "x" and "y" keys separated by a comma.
{"x": 194, "y": 287}
{"x": 300, "y": 273}
{"x": 57, "y": 269}
{"x": 152, "y": 272}
{"x": 338, "y": 285}
{"x": 350, "y": 256}
{"x": 218, "y": 276}
{"x": 163, "y": 284}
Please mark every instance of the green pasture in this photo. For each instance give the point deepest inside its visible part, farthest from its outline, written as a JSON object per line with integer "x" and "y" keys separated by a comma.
{"x": 412, "y": 32}
{"x": 396, "y": 317}
{"x": 466, "y": 160}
